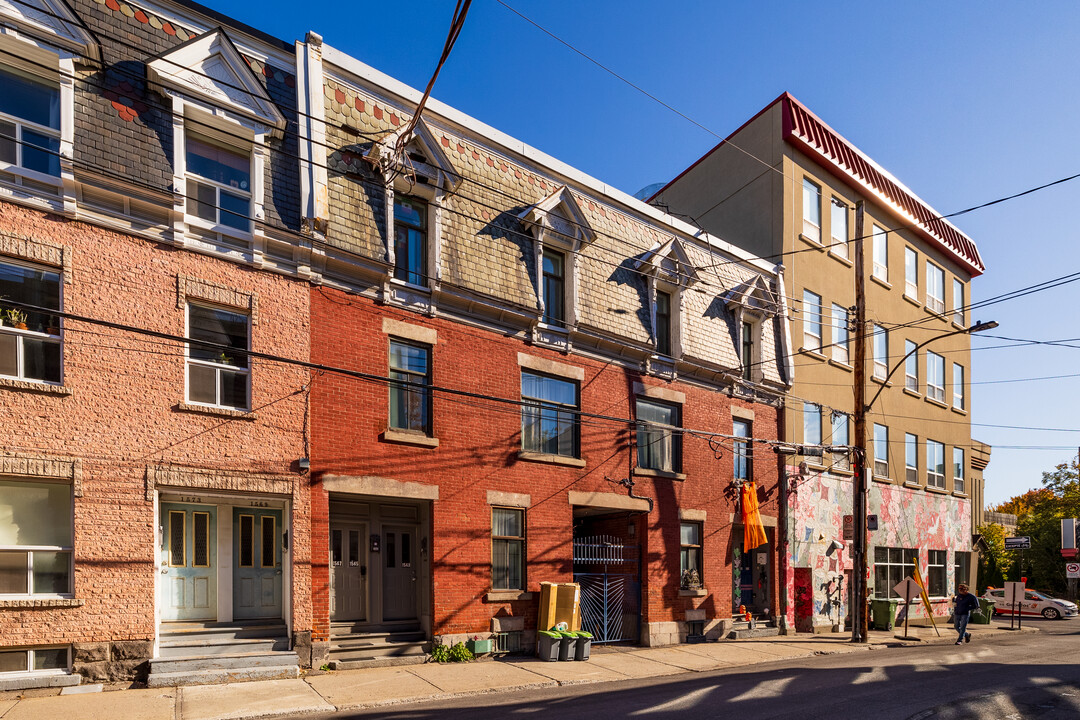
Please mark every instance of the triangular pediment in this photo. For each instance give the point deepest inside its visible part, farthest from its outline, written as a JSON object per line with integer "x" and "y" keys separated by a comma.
{"x": 668, "y": 261}
{"x": 52, "y": 22}
{"x": 211, "y": 69}
{"x": 423, "y": 156}
{"x": 560, "y": 214}
{"x": 752, "y": 294}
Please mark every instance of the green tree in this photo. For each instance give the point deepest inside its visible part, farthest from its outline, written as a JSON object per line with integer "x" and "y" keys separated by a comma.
{"x": 996, "y": 565}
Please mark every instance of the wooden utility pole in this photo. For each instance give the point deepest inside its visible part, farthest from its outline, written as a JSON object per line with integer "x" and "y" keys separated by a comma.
{"x": 858, "y": 595}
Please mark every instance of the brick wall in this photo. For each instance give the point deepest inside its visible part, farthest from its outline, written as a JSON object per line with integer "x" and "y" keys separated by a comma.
{"x": 479, "y": 442}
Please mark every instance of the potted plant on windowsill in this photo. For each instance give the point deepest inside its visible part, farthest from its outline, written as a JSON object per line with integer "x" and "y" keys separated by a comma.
{"x": 17, "y": 319}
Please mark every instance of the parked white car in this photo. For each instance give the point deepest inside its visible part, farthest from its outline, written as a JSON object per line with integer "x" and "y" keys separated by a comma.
{"x": 1033, "y": 605}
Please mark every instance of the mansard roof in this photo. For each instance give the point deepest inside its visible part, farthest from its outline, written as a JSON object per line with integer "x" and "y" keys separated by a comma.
{"x": 559, "y": 212}
{"x": 435, "y": 164}
{"x": 53, "y": 22}
{"x": 668, "y": 260}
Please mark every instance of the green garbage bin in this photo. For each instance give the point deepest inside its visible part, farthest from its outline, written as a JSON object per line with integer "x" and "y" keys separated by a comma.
{"x": 985, "y": 612}
{"x": 883, "y": 613}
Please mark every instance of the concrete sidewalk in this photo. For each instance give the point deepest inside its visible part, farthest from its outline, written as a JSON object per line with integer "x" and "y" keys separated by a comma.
{"x": 353, "y": 689}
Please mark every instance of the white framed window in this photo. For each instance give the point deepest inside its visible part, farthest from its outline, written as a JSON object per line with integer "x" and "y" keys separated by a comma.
{"x": 507, "y": 548}
{"x": 549, "y": 415}
{"x": 30, "y": 347}
{"x": 410, "y": 240}
{"x": 881, "y": 450}
{"x": 911, "y": 273}
{"x": 219, "y": 189}
{"x": 410, "y": 405}
{"x": 554, "y": 287}
{"x": 911, "y": 366}
{"x": 811, "y": 210}
{"x": 36, "y": 538}
{"x": 38, "y": 660}
{"x": 958, "y": 483}
{"x": 691, "y": 568}
{"x": 881, "y": 352}
{"x": 891, "y": 565}
{"x": 839, "y": 229}
{"x": 218, "y": 377}
{"x": 659, "y": 442}
{"x": 29, "y": 127}
{"x": 742, "y": 454}
{"x": 841, "y": 426}
{"x": 811, "y": 424}
{"x": 840, "y": 341}
{"x": 935, "y": 376}
{"x": 911, "y": 459}
{"x": 936, "y": 565}
{"x": 958, "y": 386}
{"x": 663, "y": 322}
{"x": 881, "y": 254}
{"x": 935, "y": 288}
{"x": 748, "y": 349}
{"x": 958, "y": 301}
{"x": 811, "y": 321}
{"x": 935, "y": 464}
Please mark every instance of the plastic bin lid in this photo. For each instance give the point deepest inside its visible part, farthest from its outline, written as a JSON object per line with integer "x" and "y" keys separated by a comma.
{"x": 583, "y": 634}
{"x": 549, "y": 633}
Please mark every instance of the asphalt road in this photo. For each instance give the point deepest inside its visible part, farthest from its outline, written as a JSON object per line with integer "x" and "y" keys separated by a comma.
{"x": 1016, "y": 677}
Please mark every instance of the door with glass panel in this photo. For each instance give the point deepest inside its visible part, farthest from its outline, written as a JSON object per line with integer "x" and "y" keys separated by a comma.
{"x": 399, "y": 572}
{"x": 348, "y": 572}
{"x": 257, "y": 543}
{"x": 188, "y": 562}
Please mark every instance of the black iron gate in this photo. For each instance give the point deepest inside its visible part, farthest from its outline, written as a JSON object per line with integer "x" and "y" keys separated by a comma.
{"x": 609, "y": 573}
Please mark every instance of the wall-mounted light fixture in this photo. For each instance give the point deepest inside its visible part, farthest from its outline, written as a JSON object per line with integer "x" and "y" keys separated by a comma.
{"x": 304, "y": 464}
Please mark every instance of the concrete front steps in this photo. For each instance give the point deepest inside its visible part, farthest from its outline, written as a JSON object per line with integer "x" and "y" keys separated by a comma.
{"x": 352, "y": 648}
{"x": 194, "y": 653}
{"x": 762, "y": 627}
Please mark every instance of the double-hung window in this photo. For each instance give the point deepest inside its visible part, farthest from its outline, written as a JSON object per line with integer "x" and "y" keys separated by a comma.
{"x": 690, "y": 566}
{"x": 881, "y": 254}
{"x": 811, "y": 195}
{"x": 742, "y": 455}
{"x": 935, "y": 464}
{"x": 747, "y": 355}
{"x": 840, "y": 333}
{"x": 958, "y": 483}
{"x": 935, "y": 572}
{"x": 961, "y": 567}
{"x": 554, "y": 285}
{"x": 911, "y": 459}
{"x": 549, "y": 415}
{"x": 36, "y": 538}
{"x": 881, "y": 352}
{"x": 29, "y": 339}
{"x": 891, "y": 565}
{"x": 881, "y": 450}
{"x": 507, "y": 549}
{"x": 911, "y": 366}
{"x": 839, "y": 229}
{"x": 218, "y": 184}
{"x": 410, "y": 240}
{"x": 841, "y": 424}
{"x": 663, "y": 323}
{"x": 658, "y": 439}
{"x": 29, "y": 126}
{"x": 958, "y": 386}
{"x": 811, "y": 424}
{"x": 935, "y": 287}
{"x": 218, "y": 376}
{"x": 410, "y": 405}
{"x": 911, "y": 273}
{"x": 811, "y": 321}
{"x": 958, "y": 301}
{"x": 935, "y": 376}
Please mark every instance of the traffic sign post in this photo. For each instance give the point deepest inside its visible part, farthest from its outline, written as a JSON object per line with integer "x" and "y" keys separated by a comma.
{"x": 909, "y": 590}
{"x": 1014, "y": 596}
{"x": 1020, "y": 542}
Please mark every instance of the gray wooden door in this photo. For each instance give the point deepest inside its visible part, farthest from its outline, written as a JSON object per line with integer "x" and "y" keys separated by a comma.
{"x": 348, "y": 571}
{"x": 399, "y": 572}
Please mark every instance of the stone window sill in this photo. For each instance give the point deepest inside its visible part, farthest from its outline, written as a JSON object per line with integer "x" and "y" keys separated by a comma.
{"x": 939, "y": 491}
{"x": 41, "y": 603}
{"x": 841, "y": 258}
{"x": 959, "y": 494}
{"x": 881, "y": 381}
{"x": 883, "y": 283}
{"x": 841, "y": 365}
{"x": 912, "y": 393}
{"x": 814, "y": 353}
{"x": 696, "y": 592}
{"x": 935, "y": 313}
{"x": 883, "y": 479}
{"x": 934, "y": 401}
{"x": 215, "y": 411}
{"x": 959, "y": 411}
{"x": 550, "y": 459}
{"x": 507, "y": 595}
{"x": 403, "y": 437}
{"x": 648, "y": 472}
{"x": 37, "y": 387}
{"x": 811, "y": 241}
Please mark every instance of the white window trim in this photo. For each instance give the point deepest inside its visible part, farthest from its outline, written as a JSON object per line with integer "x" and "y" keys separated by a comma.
{"x": 22, "y": 334}
{"x": 908, "y": 468}
{"x": 752, "y": 302}
{"x": 30, "y": 671}
{"x": 935, "y": 303}
{"x": 217, "y": 366}
{"x": 933, "y": 391}
{"x": 934, "y": 479}
{"x": 880, "y": 270}
{"x": 911, "y": 354}
{"x": 911, "y": 284}
{"x": 881, "y": 364}
{"x": 839, "y": 245}
{"x": 815, "y": 340}
{"x": 841, "y": 351}
{"x": 881, "y": 466}
{"x": 659, "y": 277}
{"x": 959, "y": 396}
{"x": 958, "y": 311}
{"x": 75, "y": 491}
{"x": 959, "y": 481}
{"x": 810, "y": 229}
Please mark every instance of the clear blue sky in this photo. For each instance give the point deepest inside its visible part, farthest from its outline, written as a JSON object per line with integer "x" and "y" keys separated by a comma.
{"x": 964, "y": 102}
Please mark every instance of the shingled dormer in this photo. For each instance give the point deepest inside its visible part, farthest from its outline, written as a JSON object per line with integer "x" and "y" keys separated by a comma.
{"x": 750, "y": 303}
{"x": 669, "y": 271}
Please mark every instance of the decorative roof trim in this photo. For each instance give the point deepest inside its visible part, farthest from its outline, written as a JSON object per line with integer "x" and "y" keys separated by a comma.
{"x": 752, "y": 294}
{"x": 808, "y": 132}
{"x": 651, "y": 262}
{"x": 230, "y": 84}
{"x": 540, "y": 215}
{"x": 382, "y": 152}
{"x": 52, "y": 21}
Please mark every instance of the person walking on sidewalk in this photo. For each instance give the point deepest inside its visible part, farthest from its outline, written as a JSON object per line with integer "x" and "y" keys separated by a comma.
{"x": 963, "y": 605}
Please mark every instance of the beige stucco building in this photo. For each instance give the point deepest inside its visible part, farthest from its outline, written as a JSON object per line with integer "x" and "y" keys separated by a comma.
{"x": 785, "y": 186}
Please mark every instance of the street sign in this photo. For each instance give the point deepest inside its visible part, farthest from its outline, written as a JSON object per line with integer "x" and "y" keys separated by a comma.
{"x": 849, "y": 527}
{"x": 907, "y": 589}
{"x": 871, "y": 522}
{"x": 1020, "y": 542}
{"x": 1072, "y": 570}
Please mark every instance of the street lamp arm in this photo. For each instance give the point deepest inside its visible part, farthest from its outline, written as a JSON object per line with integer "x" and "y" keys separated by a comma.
{"x": 978, "y": 327}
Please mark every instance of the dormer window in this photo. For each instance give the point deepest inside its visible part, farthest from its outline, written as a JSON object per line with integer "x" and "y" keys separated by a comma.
{"x": 554, "y": 288}
{"x": 669, "y": 272}
{"x": 663, "y": 323}
{"x": 29, "y": 123}
{"x": 410, "y": 240}
{"x": 219, "y": 184}
{"x": 751, "y": 302}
